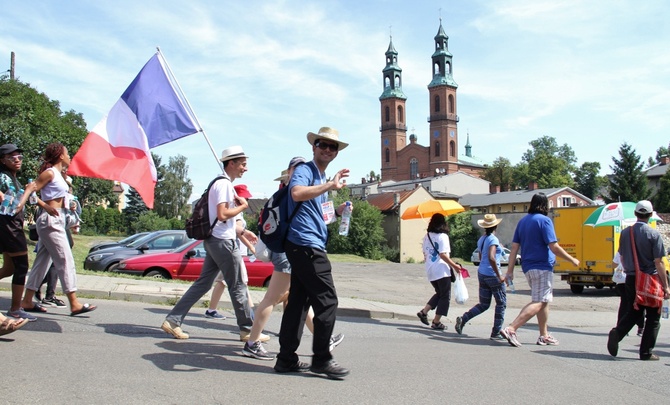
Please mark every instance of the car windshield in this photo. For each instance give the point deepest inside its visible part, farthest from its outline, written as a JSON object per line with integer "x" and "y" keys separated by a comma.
{"x": 132, "y": 238}
{"x": 141, "y": 241}
{"x": 186, "y": 246}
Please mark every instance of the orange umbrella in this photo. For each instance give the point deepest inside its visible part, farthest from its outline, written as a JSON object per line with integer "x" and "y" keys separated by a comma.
{"x": 428, "y": 208}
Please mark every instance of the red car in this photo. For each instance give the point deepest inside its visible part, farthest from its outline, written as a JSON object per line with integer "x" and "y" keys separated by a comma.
{"x": 185, "y": 263}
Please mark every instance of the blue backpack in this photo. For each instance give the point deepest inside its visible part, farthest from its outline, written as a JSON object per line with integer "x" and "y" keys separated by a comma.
{"x": 274, "y": 220}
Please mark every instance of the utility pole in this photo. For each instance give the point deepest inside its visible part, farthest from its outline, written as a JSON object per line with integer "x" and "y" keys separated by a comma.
{"x": 11, "y": 67}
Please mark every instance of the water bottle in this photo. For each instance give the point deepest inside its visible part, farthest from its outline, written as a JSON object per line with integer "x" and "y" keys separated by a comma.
{"x": 8, "y": 202}
{"x": 510, "y": 284}
{"x": 665, "y": 310}
{"x": 346, "y": 219}
{"x": 33, "y": 196}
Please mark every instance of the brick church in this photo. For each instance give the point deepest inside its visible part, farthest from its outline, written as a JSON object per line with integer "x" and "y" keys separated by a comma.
{"x": 411, "y": 161}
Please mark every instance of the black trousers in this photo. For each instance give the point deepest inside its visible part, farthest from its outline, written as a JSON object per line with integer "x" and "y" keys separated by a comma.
{"x": 311, "y": 285}
{"x": 651, "y": 326}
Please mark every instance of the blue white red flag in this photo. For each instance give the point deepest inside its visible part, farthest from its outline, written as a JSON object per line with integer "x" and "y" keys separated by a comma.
{"x": 149, "y": 113}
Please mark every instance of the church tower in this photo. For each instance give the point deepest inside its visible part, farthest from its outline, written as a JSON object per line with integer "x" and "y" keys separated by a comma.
{"x": 443, "y": 118}
{"x": 393, "y": 126}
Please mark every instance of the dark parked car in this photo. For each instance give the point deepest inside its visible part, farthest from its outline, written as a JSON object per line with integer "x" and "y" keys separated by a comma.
{"x": 158, "y": 241}
{"x": 123, "y": 242}
{"x": 185, "y": 263}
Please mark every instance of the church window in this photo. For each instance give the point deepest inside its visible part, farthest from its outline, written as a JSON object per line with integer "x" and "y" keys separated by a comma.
{"x": 451, "y": 104}
{"x": 397, "y": 81}
{"x": 452, "y": 149}
{"x": 400, "y": 114}
{"x": 413, "y": 168}
{"x": 437, "y": 149}
{"x": 437, "y": 103}
{"x": 436, "y": 69}
{"x": 387, "y": 155}
{"x": 387, "y": 82}
{"x": 387, "y": 113}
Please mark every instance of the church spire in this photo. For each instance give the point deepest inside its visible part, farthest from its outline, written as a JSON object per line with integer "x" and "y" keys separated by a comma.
{"x": 468, "y": 147}
{"x": 442, "y": 63}
{"x": 392, "y": 75}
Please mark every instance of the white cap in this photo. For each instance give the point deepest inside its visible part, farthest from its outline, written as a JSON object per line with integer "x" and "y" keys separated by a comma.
{"x": 644, "y": 207}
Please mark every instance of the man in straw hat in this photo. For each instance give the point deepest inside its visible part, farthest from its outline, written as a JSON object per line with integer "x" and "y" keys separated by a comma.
{"x": 536, "y": 238}
{"x": 491, "y": 278}
{"x": 222, "y": 251}
{"x": 311, "y": 277}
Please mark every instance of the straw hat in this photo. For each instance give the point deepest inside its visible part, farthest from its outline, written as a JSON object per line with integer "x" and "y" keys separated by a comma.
{"x": 329, "y": 134}
{"x": 233, "y": 152}
{"x": 489, "y": 221}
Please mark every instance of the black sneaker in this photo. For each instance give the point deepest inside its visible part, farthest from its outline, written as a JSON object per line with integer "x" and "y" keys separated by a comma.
{"x": 613, "y": 342}
{"x": 423, "y": 318}
{"x": 459, "y": 325}
{"x": 54, "y": 302}
{"x": 257, "y": 351}
{"x": 335, "y": 340}
{"x": 331, "y": 369}
{"x": 652, "y": 357}
{"x": 297, "y": 367}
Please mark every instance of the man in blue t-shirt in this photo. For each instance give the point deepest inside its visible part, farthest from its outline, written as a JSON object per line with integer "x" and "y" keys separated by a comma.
{"x": 311, "y": 277}
{"x": 536, "y": 238}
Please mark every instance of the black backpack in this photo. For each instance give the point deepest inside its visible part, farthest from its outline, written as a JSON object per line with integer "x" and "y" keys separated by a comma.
{"x": 274, "y": 219}
{"x": 198, "y": 226}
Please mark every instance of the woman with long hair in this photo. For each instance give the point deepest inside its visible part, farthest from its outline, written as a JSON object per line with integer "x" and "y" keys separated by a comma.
{"x": 51, "y": 223}
{"x": 491, "y": 278}
{"x": 13, "y": 244}
{"x": 439, "y": 269}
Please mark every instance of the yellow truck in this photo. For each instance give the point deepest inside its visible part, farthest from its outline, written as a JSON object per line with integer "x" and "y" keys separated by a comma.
{"x": 593, "y": 247}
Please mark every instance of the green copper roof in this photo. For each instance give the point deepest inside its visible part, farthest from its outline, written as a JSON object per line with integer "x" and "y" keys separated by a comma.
{"x": 439, "y": 80}
{"x": 390, "y": 92}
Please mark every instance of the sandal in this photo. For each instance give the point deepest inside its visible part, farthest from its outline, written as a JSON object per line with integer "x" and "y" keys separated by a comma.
{"x": 8, "y": 326}
{"x": 423, "y": 317}
{"x": 36, "y": 308}
{"x": 84, "y": 309}
{"x": 438, "y": 326}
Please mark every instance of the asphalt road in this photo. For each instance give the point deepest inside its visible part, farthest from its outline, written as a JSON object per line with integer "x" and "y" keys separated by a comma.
{"x": 118, "y": 354}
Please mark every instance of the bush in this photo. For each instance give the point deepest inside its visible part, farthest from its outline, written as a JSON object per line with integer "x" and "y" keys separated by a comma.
{"x": 391, "y": 254}
{"x": 462, "y": 235}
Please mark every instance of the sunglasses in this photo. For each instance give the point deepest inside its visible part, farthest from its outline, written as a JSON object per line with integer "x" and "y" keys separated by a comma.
{"x": 15, "y": 157}
{"x": 324, "y": 146}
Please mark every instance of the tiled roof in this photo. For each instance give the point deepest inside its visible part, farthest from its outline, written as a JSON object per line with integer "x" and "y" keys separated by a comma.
{"x": 656, "y": 170}
{"x": 386, "y": 201}
{"x": 510, "y": 197}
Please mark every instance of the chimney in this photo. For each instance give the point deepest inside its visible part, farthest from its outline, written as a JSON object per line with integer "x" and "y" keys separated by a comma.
{"x": 494, "y": 189}
{"x": 363, "y": 180}
{"x": 665, "y": 159}
{"x": 532, "y": 186}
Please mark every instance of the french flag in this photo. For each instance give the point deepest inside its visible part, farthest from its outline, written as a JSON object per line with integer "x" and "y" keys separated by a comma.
{"x": 149, "y": 113}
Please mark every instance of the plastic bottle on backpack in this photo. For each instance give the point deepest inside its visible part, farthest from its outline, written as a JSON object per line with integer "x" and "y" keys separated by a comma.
{"x": 8, "y": 202}
{"x": 33, "y": 196}
{"x": 346, "y": 219}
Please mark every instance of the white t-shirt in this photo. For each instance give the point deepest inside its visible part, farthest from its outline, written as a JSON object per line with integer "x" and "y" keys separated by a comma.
{"x": 436, "y": 268}
{"x": 244, "y": 251}
{"x": 221, "y": 192}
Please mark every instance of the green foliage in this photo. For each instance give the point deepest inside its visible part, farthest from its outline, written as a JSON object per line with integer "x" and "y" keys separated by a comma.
{"x": 628, "y": 182}
{"x": 252, "y": 222}
{"x": 587, "y": 180}
{"x": 462, "y": 235}
{"x": 150, "y": 221}
{"x": 173, "y": 188}
{"x": 550, "y": 165}
{"x": 134, "y": 208}
{"x": 500, "y": 173}
{"x": 366, "y": 236}
{"x": 98, "y": 220}
{"x": 660, "y": 152}
{"x": 662, "y": 198}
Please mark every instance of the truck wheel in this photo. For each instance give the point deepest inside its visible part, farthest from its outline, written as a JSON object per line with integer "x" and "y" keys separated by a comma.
{"x": 576, "y": 288}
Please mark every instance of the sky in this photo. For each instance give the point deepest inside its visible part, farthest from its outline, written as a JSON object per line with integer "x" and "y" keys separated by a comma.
{"x": 262, "y": 74}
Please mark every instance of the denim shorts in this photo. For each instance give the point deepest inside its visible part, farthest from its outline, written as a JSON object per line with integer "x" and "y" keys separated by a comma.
{"x": 281, "y": 263}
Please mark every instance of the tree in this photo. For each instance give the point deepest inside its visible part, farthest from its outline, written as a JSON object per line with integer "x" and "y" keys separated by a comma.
{"x": 500, "y": 173}
{"x": 628, "y": 182}
{"x": 173, "y": 189}
{"x": 660, "y": 152}
{"x": 662, "y": 198}
{"x": 366, "y": 236}
{"x": 31, "y": 120}
{"x": 134, "y": 208}
{"x": 587, "y": 179}
{"x": 550, "y": 165}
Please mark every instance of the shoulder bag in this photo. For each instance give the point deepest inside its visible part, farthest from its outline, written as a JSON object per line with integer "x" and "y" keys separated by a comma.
{"x": 648, "y": 288}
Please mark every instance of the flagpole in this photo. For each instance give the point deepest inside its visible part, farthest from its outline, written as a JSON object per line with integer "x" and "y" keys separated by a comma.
{"x": 188, "y": 104}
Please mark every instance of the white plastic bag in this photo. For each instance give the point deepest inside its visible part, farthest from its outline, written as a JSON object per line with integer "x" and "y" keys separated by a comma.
{"x": 262, "y": 251}
{"x": 460, "y": 291}
{"x": 619, "y": 276}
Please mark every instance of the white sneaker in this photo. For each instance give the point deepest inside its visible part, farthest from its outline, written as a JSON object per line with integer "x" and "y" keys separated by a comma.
{"x": 244, "y": 336}
{"x": 335, "y": 340}
{"x": 547, "y": 340}
{"x": 256, "y": 351}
